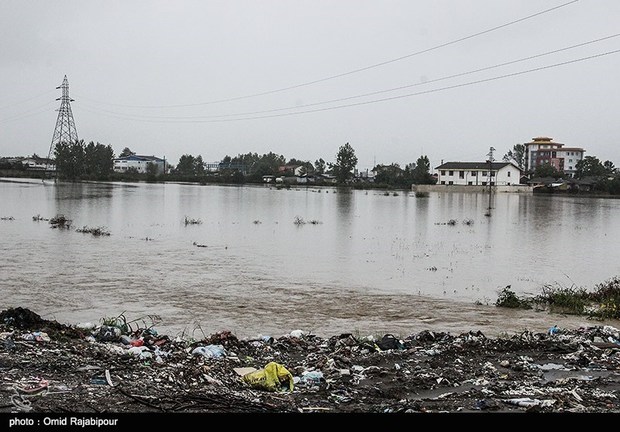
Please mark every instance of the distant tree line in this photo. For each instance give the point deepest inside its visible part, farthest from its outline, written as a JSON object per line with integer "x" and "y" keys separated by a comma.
{"x": 94, "y": 161}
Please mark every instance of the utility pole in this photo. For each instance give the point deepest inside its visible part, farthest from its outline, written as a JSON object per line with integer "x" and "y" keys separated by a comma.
{"x": 490, "y": 161}
{"x": 65, "y": 131}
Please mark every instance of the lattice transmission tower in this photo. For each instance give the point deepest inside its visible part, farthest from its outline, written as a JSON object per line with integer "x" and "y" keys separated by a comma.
{"x": 65, "y": 125}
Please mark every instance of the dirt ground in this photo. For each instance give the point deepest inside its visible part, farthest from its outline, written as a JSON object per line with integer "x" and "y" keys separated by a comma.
{"x": 51, "y": 368}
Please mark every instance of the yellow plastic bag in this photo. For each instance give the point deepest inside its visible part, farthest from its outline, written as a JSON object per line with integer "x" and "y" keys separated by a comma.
{"x": 271, "y": 378}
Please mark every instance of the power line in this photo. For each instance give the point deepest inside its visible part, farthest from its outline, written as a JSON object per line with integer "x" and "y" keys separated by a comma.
{"x": 28, "y": 113}
{"x": 351, "y": 72}
{"x": 375, "y": 92}
{"x": 26, "y": 100}
{"x": 467, "y": 84}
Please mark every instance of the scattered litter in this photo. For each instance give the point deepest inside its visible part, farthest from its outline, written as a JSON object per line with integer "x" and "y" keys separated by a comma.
{"x": 529, "y": 402}
{"x": 297, "y": 333}
{"x": 210, "y": 351}
{"x": 124, "y": 365}
{"x": 311, "y": 378}
{"x": 36, "y": 337}
{"x": 244, "y": 370}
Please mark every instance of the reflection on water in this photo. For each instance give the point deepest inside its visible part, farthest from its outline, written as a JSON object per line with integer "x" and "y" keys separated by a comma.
{"x": 371, "y": 260}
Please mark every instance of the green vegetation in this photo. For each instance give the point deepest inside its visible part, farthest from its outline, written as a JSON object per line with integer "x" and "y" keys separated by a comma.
{"x": 132, "y": 326}
{"x": 508, "y": 299}
{"x": 516, "y": 156}
{"x": 396, "y": 177}
{"x": 346, "y": 161}
{"x": 602, "y": 303}
{"x": 80, "y": 161}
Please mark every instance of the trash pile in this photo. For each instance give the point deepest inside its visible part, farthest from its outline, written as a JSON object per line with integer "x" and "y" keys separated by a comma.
{"x": 87, "y": 368}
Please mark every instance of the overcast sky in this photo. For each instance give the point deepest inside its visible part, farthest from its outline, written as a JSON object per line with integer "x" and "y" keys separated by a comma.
{"x": 395, "y": 79}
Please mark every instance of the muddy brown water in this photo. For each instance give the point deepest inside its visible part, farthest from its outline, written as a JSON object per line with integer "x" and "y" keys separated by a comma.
{"x": 355, "y": 261}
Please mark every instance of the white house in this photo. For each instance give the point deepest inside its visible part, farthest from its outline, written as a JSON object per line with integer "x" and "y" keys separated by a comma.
{"x": 139, "y": 163}
{"x": 478, "y": 173}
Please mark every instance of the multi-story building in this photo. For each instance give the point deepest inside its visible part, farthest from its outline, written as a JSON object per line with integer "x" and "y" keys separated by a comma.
{"x": 543, "y": 150}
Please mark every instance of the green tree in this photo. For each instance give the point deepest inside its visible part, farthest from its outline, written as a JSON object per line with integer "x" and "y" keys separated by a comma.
{"x": 609, "y": 167}
{"x": 319, "y": 166}
{"x": 199, "y": 166}
{"x": 589, "y": 166}
{"x": 346, "y": 161}
{"x": 421, "y": 174}
{"x": 186, "y": 165}
{"x": 547, "y": 170}
{"x": 391, "y": 175}
{"x": 69, "y": 159}
{"x": 126, "y": 152}
{"x": 98, "y": 161}
{"x": 516, "y": 156}
{"x": 151, "y": 171}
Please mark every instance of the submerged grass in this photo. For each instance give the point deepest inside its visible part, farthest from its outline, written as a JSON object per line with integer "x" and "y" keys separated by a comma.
{"x": 601, "y": 303}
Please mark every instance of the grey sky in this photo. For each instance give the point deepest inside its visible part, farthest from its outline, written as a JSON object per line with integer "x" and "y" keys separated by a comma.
{"x": 149, "y": 74}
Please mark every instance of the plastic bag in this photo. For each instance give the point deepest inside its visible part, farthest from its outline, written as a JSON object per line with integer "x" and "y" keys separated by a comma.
{"x": 272, "y": 378}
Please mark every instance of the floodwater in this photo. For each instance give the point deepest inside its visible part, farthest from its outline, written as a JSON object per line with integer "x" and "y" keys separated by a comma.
{"x": 263, "y": 260}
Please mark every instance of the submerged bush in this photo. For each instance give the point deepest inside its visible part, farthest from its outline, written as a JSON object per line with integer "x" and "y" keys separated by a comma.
{"x": 571, "y": 300}
{"x": 508, "y": 299}
{"x": 190, "y": 221}
{"x": 98, "y": 231}
{"x": 60, "y": 221}
{"x": 603, "y": 303}
{"x": 607, "y": 296}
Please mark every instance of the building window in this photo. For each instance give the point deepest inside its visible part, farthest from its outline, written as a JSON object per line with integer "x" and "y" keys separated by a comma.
{"x": 470, "y": 183}
{"x": 484, "y": 183}
{"x": 450, "y": 173}
{"x": 461, "y": 174}
{"x": 508, "y": 174}
{"x": 492, "y": 173}
{"x": 443, "y": 182}
{"x": 474, "y": 173}
{"x": 570, "y": 160}
{"x": 484, "y": 173}
{"x": 570, "y": 167}
{"x": 443, "y": 172}
{"x": 492, "y": 183}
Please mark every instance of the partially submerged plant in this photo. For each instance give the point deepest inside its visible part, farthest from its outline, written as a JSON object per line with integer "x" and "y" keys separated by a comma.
{"x": 60, "y": 221}
{"x": 571, "y": 300}
{"x": 98, "y": 231}
{"x": 190, "y": 221}
{"x": 133, "y": 326}
{"x": 508, "y": 299}
{"x": 607, "y": 296}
